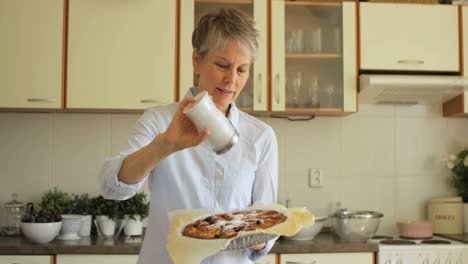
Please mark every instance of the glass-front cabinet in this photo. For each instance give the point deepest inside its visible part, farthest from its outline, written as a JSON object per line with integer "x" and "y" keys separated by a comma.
{"x": 313, "y": 57}
{"x": 307, "y": 55}
{"x": 254, "y": 96}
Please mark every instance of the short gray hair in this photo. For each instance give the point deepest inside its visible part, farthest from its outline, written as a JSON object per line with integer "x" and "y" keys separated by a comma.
{"x": 214, "y": 30}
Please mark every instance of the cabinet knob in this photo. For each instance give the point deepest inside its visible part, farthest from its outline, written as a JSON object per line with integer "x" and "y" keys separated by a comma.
{"x": 47, "y": 100}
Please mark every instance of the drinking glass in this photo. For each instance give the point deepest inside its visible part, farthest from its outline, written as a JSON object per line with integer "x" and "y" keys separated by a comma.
{"x": 297, "y": 86}
{"x": 314, "y": 92}
{"x": 330, "y": 90}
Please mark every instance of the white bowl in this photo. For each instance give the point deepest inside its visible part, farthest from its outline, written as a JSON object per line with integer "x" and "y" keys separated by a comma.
{"x": 40, "y": 233}
{"x": 309, "y": 233}
{"x": 70, "y": 227}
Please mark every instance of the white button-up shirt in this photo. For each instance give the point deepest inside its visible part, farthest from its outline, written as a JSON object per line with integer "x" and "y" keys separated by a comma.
{"x": 199, "y": 178}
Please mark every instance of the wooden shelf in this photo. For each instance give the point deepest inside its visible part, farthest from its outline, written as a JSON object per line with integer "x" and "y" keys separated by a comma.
{"x": 311, "y": 3}
{"x": 313, "y": 56}
{"x": 246, "y": 2}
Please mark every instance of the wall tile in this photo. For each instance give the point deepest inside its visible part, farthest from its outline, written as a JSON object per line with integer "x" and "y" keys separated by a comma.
{"x": 25, "y": 141}
{"x": 368, "y": 147}
{"x": 80, "y": 144}
{"x": 412, "y": 195}
{"x": 420, "y": 146}
{"x": 457, "y": 134}
{"x": 434, "y": 110}
{"x": 372, "y": 110}
{"x": 121, "y": 128}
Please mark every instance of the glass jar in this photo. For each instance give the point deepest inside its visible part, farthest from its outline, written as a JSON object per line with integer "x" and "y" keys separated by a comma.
{"x": 12, "y": 212}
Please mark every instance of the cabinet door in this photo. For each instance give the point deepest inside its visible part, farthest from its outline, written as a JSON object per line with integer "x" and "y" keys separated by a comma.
{"x": 327, "y": 258}
{"x": 26, "y": 259}
{"x": 121, "y": 54}
{"x": 267, "y": 259}
{"x": 96, "y": 259}
{"x": 313, "y": 57}
{"x": 31, "y": 51}
{"x": 458, "y": 106}
{"x": 409, "y": 37}
{"x": 254, "y": 95}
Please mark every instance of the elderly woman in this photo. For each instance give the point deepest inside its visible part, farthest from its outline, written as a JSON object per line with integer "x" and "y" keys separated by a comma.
{"x": 182, "y": 173}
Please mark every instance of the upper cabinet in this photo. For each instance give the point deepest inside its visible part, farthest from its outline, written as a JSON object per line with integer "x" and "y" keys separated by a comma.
{"x": 121, "y": 54}
{"x": 254, "y": 96}
{"x": 31, "y": 53}
{"x": 458, "y": 106}
{"x": 307, "y": 55}
{"x": 409, "y": 37}
{"x": 313, "y": 57}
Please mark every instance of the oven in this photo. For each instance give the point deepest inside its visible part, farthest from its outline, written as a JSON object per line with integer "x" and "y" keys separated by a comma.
{"x": 436, "y": 250}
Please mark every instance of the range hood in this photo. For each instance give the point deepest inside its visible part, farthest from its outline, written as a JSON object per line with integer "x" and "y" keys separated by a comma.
{"x": 409, "y": 89}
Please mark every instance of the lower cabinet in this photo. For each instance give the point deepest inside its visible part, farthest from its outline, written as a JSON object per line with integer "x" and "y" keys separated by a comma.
{"x": 267, "y": 259}
{"x": 327, "y": 258}
{"x": 96, "y": 259}
{"x": 14, "y": 259}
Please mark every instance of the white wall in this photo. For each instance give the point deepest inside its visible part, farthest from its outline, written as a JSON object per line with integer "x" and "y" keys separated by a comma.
{"x": 383, "y": 158}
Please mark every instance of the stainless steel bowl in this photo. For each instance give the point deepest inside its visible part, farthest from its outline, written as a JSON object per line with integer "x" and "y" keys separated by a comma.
{"x": 354, "y": 226}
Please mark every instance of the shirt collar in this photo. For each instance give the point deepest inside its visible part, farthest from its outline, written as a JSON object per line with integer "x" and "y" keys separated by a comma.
{"x": 233, "y": 111}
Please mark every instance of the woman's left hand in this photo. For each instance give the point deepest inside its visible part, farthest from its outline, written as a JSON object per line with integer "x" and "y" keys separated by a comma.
{"x": 259, "y": 246}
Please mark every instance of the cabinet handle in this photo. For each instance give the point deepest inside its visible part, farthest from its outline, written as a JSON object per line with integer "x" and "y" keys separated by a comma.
{"x": 145, "y": 101}
{"x": 48, "y": 100}
{"x": 301, "y": 262}
{"x": 259, "y": 88}
{"x": 414, "y": 62}
{"x": 277, "y": 80}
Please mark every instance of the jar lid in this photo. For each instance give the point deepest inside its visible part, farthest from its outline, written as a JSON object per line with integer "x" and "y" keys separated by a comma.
{"x": 344, "y": 213}
{"x": 14, "y": 203}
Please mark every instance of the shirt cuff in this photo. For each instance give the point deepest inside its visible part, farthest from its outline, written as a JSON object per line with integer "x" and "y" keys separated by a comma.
{"x": 112, "y": 188}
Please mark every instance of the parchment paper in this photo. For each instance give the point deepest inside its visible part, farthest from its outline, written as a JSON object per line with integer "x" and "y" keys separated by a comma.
{"x": 185, "y": 250}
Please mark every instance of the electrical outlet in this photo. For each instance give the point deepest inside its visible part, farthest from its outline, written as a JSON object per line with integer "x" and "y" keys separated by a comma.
{"x": 315, "y": 178}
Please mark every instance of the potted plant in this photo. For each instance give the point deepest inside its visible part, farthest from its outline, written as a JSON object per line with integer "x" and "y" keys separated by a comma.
{"x": 81, "y": 205}
{"x": 59, "y": 202}
{"x": 56, "y": 201}
{"x": 108, "y": 216}
{"x": 135, "y": 210}
{"x": 458, "y": 164}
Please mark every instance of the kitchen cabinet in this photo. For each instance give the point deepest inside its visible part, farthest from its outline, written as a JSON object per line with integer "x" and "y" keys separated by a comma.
{"x": 407, "y": 37}
{"x": 121, "y": 54}
{"x": 31, "y": 52}
{"x": 254, "y": 96}
{"x": 96, "y": 259}
{"x": 267, "y": 259}
{"x": 17, "y": 259}
{"x": 458, "y": 106}
{"x": 327, "y": 258}
{"x": 313, "y": 57}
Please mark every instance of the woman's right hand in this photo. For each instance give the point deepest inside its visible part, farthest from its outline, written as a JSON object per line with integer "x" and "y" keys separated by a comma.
{"x": 181, "y": 132}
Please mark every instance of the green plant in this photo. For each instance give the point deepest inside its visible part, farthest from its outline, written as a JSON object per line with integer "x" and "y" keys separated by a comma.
{"x": 102, "y": 206}
{"x": 137, "y": 205}
{"x": 459, "y": 166}
{"x": 56, "y": 201}
{"x": 81, "y": 204}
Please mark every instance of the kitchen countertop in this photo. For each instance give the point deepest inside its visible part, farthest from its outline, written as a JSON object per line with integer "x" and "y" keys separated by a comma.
{"x": 323, "y": 243}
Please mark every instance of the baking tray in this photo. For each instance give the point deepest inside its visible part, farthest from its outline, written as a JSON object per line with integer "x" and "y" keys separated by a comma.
{"x": 249, "y": 241}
